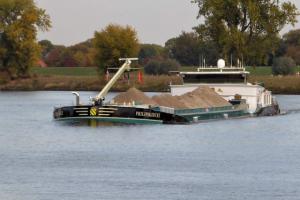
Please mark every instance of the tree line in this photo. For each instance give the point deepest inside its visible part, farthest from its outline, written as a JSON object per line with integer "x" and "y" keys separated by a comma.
{"x": 232, "y": 30}
{"x": 79, "y": 55}
{"x": 185, "y": 50}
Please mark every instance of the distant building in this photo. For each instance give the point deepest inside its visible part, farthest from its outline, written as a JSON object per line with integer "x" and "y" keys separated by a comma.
{"x": 41, "y": 63}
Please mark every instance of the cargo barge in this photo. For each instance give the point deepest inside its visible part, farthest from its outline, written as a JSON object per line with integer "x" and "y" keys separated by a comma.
{"x": 145, "y": 115}
{"x": 141, "y": 113}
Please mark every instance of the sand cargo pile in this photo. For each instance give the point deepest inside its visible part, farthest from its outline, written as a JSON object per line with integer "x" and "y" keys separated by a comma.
{"x": 202, "y": 97}
{"x": 133, "y": 96}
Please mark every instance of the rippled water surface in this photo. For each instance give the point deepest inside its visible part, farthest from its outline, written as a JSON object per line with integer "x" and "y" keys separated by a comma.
{"x": 254, "y": 158}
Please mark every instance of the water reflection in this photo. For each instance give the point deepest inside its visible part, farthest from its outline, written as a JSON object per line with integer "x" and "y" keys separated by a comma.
{"x": 88, "y": 123}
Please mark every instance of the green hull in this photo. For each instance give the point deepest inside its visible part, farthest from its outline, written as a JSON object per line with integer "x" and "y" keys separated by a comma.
{"x": 113, "y": 120}
{"x": 198, "y": 115}
{"x": 133, "y": 115}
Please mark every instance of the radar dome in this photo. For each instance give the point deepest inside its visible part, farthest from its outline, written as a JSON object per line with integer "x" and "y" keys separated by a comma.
{"x": 221, "y": 63}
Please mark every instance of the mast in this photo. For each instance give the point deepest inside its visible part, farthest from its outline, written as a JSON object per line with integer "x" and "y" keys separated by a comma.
{"x": 125, "y": 67}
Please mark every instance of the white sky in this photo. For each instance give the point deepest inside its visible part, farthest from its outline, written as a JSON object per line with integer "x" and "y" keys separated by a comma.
{"x": 74, "y": 21}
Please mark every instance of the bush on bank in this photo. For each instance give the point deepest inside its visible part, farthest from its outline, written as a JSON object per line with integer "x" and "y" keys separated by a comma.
{"x": 284, "y": 66}
{"x": 157, "y": 67}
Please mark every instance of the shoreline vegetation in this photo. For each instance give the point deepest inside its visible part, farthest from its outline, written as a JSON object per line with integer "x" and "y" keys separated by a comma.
{"x": 88, "y": 79}
{"x": 210, "y": 39}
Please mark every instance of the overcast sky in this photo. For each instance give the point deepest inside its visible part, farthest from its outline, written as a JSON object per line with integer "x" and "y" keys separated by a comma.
{"x": 156, "y": 21}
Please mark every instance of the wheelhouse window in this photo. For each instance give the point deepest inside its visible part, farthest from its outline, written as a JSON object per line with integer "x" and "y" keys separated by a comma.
{"x": 214, "y": 78}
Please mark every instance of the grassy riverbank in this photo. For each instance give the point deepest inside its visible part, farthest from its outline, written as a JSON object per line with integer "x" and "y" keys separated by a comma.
{"x": 87, "y": 83}
{"x": 92, "y": 71}
{"x": 88, "y": 79}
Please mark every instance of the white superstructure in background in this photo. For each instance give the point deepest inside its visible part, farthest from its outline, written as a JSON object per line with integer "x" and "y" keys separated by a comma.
{"x": 228, "y": 82}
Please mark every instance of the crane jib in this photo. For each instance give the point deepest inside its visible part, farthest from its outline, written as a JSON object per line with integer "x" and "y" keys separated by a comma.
{"x": 125, "y": 67}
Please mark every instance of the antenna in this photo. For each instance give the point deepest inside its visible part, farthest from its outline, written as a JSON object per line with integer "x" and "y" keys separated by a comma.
{"x": 200, "y": 60}
{"x": 242, "y": 65}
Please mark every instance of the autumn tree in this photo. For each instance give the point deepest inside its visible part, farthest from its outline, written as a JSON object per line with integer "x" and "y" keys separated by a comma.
{"x": 55, "y": 57}
{"x": 242, "y": 28}
{"x": 83, "y": 53}
{"x": 78, "y": 55}
{"x": 19, "y": 22}
{"x": 115, "y": 42}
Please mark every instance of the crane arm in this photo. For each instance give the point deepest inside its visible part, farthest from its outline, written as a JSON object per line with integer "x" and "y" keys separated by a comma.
{"x": 125, "y": 67}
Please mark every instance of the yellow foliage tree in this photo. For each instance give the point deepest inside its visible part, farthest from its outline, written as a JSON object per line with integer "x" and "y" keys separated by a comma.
{"x": 19, "y": 22}
{"x": 114, "y": 42}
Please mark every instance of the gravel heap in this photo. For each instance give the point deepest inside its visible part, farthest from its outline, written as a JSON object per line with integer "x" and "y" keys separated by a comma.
{"x": 168, "y": 100}
{"x": 202, "y": 97}
{"x": 133, "y": 95}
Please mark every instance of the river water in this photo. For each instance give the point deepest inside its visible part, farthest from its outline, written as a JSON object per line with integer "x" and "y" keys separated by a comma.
{"x": 253, "y": 158}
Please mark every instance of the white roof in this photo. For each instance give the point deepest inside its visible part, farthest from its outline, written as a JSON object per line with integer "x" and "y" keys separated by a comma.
{"x": 215, "y": 72}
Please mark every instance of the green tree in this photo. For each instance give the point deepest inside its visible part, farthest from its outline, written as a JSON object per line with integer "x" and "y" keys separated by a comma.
{"x": 245, "y": 29}
{"x": 284, "y": 66}
{"x": 46, "y": 46}
{"x": 114, "y": 42}
{"x": 292, "y": 38}
{"x": 290, "y": 45}
{"x": 159, "y": 67}
{"x": 184, "y": 48}
{"x": 150, "y": 51}
{"x": 189, "y": 49}
{"x": 19, "y": 22}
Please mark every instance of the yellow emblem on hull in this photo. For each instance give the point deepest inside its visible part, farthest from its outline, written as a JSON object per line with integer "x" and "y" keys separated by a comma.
{"x": 93, "y": 111}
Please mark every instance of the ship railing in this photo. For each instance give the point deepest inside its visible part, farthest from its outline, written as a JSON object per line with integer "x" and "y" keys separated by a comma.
{"x": 228, "y": 69}
{"x": 202, "y": 110}
{"x": 167, "y": 110}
